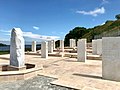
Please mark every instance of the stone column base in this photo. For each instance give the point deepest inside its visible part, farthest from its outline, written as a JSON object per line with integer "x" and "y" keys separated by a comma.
{"x": 13, "y": 68}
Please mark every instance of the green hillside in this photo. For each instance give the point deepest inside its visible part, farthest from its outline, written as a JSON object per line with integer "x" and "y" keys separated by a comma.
{"x": 110, "y": 28}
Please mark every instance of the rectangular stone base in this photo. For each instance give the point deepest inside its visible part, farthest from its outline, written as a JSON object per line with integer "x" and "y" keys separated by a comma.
{"x": 13, "y": 68}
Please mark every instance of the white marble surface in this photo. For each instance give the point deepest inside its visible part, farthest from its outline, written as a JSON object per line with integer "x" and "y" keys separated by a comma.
{"x": 44, "y": 49}
{"x": 111, "y": 58}
{"x": 34, "y": 46}
{"x": 62, "y": 45}
{"x": 99, "y": 46}
{"x": 50, "y": 46}
{"x": 81, "y": 50}
{"x": 94, "y": 47}
{"x": 17, "y": 48}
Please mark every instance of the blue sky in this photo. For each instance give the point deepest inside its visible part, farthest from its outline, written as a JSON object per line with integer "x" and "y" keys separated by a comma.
{"x": 49, "y": 19}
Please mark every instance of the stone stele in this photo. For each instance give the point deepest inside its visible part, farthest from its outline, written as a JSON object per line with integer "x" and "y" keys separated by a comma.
{"x": 17, "y": 48}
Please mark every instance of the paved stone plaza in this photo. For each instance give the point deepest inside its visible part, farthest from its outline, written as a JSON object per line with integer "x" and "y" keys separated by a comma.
{"x": 69, "y": 72}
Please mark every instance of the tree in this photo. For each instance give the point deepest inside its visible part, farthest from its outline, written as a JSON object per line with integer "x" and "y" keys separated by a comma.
{"x": 117, "y": 16}
{"x": 75, "y": 33}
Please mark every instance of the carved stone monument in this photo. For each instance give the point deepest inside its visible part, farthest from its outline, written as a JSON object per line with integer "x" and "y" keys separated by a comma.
{"x": 94, "y": 47}
{"x": 50, "y": 46}
{"x": 99, "y": 46}
{"x": 62, "y": 45}
{"x": 34, "y": 46}
{"x": 17, "y": 48}
{"x": 111, "y": 58}
{"x": 44, "y": 49}
{"x": 53, "y": 44}
{"x": 81, "y": 50}
{"x": 72, "y": 43}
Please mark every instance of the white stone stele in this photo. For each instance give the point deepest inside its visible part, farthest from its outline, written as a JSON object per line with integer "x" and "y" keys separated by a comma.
{"x": 44, "y": 49}
{"x": 111, "y": 58}
{"x": 53, "y": 44}
{"x": 94, "y": 47}
{"x": 62, "y": 45}
{"x": 81, "y": 50}
{"x": 50, "y": 46}
{"x": 72, "y": 43}
{"x": 17, "y": 48}
{"x": 99, "y": 46}
{"x": 34, "y": 46}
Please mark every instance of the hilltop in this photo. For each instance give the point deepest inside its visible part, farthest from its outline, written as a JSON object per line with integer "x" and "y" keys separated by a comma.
{"x": 110, "y": 28}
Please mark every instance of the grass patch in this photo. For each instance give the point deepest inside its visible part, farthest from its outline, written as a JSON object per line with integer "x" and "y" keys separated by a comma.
{"x": 4, "y": 52}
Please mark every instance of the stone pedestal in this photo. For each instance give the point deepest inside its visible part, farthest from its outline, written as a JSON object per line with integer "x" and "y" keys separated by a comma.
{"x": 81, "y": 50}
{"x": 62, "y": 45}
{"x": 44, "y": 49}
{"x": 99, "y": 46}
{"x": 34, "y": 46}
{"x": 13, "y": 68}
{"x": 111, "y": 58}
{"x": 50, "y": 46}
{"x": 72, "y": 43}
{"x": 17, "y": 48}
{"x": 94, "y": 47}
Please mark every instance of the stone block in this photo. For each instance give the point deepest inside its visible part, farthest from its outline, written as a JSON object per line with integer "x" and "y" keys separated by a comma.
{"x": 111, "y": 58}
{"x": 94, "y": 47}
{"x": 81, "y": 50}
{"x": 44, "y": 49}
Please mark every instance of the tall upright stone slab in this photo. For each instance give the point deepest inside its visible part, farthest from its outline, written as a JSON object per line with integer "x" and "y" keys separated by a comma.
{"x": 111, "y": 58}
{"x": 44, "y": 49}
{"x": 34, "y": 46}
{"x": 17, "y": 48}
{"x": 99, "y": 46}
{"x": 50, "y": 46}
{"x": 94, "y": 47}
{"x": 81, "y": 50}
{"x": 72, "y": 43}
{"x": 62, "y": 45}
{"x": 53, "y": 44}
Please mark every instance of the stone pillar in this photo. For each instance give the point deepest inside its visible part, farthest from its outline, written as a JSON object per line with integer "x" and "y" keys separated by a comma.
{"x": 111, "y": 58}
{"x": 44, "y": 49}
{"x": 17, "y": 47}
{"x": 34, "y": 46}
{"x": 50, "y": 46}
{"x": 99, "y": 46}
{"x": 72, "y": 43}
{"x": 81, "y": 50}
{"x": 94, "y": 47}
{"x": 62, "y": 45}
{"x": 53, "y": 44}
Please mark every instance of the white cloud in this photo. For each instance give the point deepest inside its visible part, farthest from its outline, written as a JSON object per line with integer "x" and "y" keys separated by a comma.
{"x": 94, "y": 12}
{"x": 37, "y": 36}
{"x": 5, "y": 31}
{"x": 36, "y": 28}
{"x": 32, "y": 35}
{"x": 104, "y": 2}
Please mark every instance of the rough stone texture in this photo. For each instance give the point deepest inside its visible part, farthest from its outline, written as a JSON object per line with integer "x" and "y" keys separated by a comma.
{"x": 72, "y": 43}
{"x": 34, "y": 46}
{"x": 44, "y": 49}
{"x": 50, "y": 46}
{"x": 94, "y": 47}
{"x": 81, "y": 50}
{"x": 99, "y": 46}
{"x": 17, "y": 48}
{"x": 37, "y": 83}
{"x": 111, "y": 58}
{"x": 62, "y": 45}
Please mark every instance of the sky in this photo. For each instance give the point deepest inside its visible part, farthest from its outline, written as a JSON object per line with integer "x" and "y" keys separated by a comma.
{"x": 53, "y": 19}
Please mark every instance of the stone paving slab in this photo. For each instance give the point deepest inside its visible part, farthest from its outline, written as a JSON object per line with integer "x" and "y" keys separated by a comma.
{"x": 70, "y": 72}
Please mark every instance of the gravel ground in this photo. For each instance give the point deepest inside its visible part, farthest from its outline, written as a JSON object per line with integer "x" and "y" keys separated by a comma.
{"x": 36, "y": 83}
